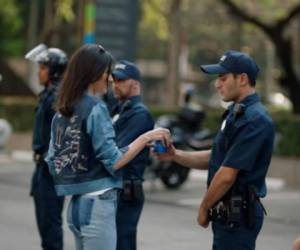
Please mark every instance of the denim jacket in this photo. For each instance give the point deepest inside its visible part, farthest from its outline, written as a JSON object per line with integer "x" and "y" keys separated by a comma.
{"x": 82, "y": 150}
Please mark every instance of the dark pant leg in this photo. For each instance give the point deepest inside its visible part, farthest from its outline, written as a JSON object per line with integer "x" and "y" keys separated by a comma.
{"x": 128, "y": 215}
{"x": 48, "y": 209}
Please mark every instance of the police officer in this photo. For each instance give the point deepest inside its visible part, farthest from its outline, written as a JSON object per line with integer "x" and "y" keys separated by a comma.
{"x": 132, "y": 120}
{"x": 238, "y": 162}
{"x": 48, "y": 206}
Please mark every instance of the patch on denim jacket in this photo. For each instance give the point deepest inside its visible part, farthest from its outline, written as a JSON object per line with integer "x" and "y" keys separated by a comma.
{"x": 67, "y": 145}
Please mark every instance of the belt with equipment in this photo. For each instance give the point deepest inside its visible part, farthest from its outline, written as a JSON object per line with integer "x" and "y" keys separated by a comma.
{"x": 237, "y": 208}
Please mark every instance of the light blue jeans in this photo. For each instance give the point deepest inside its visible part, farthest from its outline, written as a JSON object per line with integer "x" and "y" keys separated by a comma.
{"x": 92, "y": 219}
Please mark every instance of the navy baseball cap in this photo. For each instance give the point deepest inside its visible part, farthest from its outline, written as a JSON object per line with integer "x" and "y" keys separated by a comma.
{"x": 233, "y": 62}
{"x": 124, "y": 70}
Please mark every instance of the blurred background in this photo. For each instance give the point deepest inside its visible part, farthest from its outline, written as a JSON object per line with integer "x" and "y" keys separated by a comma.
{"x": 168, "y": 39}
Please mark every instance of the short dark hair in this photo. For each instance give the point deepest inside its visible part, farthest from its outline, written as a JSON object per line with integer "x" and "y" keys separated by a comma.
{"x": 250, "y": 81}
{"x": 86, "y": 66}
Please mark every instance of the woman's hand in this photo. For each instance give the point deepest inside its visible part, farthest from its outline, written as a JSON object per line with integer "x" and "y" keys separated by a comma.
{"x": 138, "y": 144}
{"x": 159, "y": 134}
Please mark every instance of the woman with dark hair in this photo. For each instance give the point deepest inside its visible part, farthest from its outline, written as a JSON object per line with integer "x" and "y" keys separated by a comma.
{"x": 83, "y": 157}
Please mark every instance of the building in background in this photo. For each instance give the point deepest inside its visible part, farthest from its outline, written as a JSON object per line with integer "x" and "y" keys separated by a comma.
{"x": 113, "y": 24}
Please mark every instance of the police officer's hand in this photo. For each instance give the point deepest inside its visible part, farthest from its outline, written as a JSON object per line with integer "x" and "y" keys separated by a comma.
{"x": 167, "y": 156}
{"x": 203, "y": 217}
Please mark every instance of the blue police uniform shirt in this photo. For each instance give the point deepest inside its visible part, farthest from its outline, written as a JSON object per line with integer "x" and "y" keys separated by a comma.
{"x": 245, "y": 142}
{"x": 43, "y": 117}
{"x": 134, "y": 119}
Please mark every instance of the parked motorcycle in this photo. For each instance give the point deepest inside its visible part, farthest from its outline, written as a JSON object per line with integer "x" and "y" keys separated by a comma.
{"x": 187, "y": 134}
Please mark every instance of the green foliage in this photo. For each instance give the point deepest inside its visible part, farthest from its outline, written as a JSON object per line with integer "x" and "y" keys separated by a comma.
{"x": 152, "y": 30}
{"x": 268, "y": 10}
{"x": 213, "y": 119}
{"x": 154, "y": 20}
{"x": 209, "y": 29}
{"x": 18, "y": 112}
{"x": 287, "y": 127}
{"x": 10, "y": 25}
{"x": 158, "y": 111}
{"x": 14, "y": 18}
{"x": 65, "y": 11}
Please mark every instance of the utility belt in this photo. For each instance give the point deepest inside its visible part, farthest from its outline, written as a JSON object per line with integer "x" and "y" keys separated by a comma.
{"x": 132, "y": 190}
{"x": 236, "y": 209}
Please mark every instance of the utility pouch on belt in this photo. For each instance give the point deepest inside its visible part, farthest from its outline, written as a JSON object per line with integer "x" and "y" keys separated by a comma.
{"x": 251, "y": 199}
{"x": 132, "y": 190}
{"x": 235, "y": 209}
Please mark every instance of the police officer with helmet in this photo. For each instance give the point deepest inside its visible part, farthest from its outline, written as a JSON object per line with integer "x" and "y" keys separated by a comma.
{"x": 52, "y": 63}
{"x": 238, "y": 162}
{"x": 132, "y": 120}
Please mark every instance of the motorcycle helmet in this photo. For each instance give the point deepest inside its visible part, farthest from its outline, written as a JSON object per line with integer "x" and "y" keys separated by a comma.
{"x": 55, "y": 59}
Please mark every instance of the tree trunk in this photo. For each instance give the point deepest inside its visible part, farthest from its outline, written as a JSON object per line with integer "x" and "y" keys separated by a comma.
{"x": 32, "y": 34}
{"x": 48, "y": 23}
{"x": 267, "y": 84}
{"x": 293, "y": 89}
{"x": 283, "y": 47}
{"x": 289, "y": 80}
{"x": 32, "y": 27}
{"x": 173, "y": 77}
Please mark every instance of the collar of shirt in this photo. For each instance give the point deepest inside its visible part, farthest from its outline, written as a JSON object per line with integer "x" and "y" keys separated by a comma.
{"x": 247, "y": 101}
{"x": 250, "y": 99}
{"x": 45, "y": 92}
{"x": 135, "y": 99}
{"x": 129, "y": 102}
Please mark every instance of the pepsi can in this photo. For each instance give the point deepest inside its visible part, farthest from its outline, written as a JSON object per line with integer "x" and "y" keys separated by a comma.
{"x": 159, "y": 147}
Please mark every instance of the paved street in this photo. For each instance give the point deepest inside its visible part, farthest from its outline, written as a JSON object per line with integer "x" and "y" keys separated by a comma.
{"x": 168, "y": 221}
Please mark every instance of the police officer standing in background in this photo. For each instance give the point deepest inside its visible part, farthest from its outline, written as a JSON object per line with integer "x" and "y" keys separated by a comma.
{"x": 132, "y": 120}
{"x": 238, "y": 162}
{"x": 48, "y": 206}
